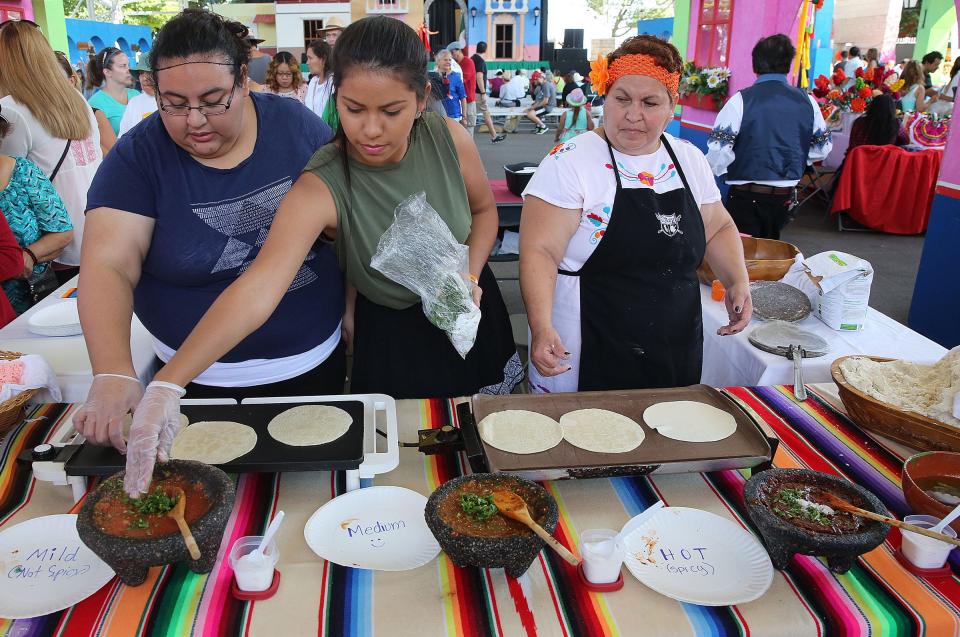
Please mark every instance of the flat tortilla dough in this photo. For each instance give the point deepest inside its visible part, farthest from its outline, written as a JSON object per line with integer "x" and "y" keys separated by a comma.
{"x": 213, "y": 442}
{"x": 128, "y": 421}
{"x": 601, "y": 431}
{"x": 308, "y": 425}
{"x": 520, "y": 431}
{"x": 690, "y": 421}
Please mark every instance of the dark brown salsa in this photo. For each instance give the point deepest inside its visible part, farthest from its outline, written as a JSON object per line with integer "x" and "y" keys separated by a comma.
{"x": 791, "y": 501}
{"x": 118, "y": 514}
{"x": 463, "y": 510}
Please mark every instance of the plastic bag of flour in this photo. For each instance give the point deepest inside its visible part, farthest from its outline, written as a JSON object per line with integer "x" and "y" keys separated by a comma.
{"x": 842, "y": 289}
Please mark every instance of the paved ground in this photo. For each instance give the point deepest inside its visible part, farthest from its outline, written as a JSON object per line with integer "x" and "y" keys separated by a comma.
{"x": 895, "y": 258}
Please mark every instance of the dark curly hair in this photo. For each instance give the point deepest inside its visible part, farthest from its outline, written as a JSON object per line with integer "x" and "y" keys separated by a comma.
{"x": 665, "y": 54}
{"x": 198, "y": 32}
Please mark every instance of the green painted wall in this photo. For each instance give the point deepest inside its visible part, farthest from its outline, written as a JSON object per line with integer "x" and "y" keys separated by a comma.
{"x": 49, "y": 15}
{"x": 938, "y": 18}
{"x": 681, "y": 28}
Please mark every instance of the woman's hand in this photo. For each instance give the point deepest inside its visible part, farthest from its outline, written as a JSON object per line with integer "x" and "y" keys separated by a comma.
{"x": 476, "y": 293}
{"x": 110, "y": 399}
{"x": 548, "y": 353}
{"x": 27, "y": 265}
{"x": 156, "y": 421}
{"x": 739, "y": 309}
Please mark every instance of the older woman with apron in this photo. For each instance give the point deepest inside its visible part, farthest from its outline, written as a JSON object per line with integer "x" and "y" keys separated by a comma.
{"x": 615, "y": 223}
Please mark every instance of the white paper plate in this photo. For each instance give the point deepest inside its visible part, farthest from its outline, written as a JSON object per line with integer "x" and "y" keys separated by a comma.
{"x": 698, "y": 557}
{"x": 58, "y": 319}
{"x": 44, "y": 567}
{"x": 378, "y": 528}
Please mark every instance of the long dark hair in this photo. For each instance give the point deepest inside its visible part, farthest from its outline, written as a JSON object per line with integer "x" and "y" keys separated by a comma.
{"x": 322, "y": 50}
{"x": 880, "y": 125}
{"x": 197, "y": 32}
{"x": 379, "y": 44}
{"x": 102, "y": 60}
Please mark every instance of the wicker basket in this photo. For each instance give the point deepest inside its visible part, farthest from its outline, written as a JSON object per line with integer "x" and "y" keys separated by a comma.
{"x": 912, "y": 429}
{"x": 767, "y": 260}
{"x": 11, "y": 411}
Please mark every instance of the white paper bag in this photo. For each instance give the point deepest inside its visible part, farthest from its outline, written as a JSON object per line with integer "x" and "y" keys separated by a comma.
{"x": 842, "y": 289}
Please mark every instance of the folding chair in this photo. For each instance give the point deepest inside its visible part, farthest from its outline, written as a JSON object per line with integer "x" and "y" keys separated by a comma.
{"x": 816, "y": 182}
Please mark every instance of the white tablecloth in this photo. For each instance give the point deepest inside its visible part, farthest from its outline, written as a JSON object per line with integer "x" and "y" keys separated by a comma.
{"x": 733, "y": 361}
{"x": 68, "y": 354}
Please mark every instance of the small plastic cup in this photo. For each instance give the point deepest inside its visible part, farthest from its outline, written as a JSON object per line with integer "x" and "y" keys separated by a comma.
{"x": 253, "y": 574}
{"x": 923, "y": 551}
{"x": 717, "y": 291}
{"x": 602, "y": 554}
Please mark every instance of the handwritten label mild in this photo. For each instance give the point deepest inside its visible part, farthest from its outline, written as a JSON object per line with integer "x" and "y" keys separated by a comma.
{"x": 56, "y": 563}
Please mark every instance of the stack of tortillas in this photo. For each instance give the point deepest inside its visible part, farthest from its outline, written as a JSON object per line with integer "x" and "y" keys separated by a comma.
{"x": 603, "y": 431}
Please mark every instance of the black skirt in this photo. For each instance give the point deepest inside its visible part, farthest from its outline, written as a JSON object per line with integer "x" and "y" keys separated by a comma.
{"x": 401, "y": 354}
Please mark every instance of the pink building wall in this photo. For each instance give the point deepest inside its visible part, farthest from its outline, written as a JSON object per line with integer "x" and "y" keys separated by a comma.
{"x": 24, "y": 6}
{"x": 752, "y": 20}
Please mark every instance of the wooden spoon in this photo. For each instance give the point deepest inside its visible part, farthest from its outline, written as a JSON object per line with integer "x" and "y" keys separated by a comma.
{"x": 836, "y": 502}
{"x": 177, "y": 514}
{"x": 512, "y": 506}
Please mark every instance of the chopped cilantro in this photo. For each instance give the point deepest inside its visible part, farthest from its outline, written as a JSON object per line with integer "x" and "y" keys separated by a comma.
{"x": 480, "y": 507}
{"x": 789, "y": 501}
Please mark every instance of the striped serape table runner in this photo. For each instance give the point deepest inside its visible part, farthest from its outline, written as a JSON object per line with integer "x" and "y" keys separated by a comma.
{"x": 877, "y": 597}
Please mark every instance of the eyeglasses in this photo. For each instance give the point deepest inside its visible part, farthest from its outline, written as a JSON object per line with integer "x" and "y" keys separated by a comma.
{"x": 183, "y": 110}
{"x": 287, "y": 74}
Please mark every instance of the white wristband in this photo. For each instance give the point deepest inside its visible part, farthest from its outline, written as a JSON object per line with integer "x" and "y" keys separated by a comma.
{"x": 136, "y": 380}
{"x": 171, "y": 386}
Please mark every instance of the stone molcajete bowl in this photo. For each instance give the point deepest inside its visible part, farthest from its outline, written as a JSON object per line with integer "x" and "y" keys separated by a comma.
{"x": 131, "y": 558}
{"x": 784, "y": 539}
{"x": 516, "y": 553}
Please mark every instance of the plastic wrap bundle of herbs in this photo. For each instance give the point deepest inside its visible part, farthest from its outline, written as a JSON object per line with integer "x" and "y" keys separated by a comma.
{"x": 419, "y": 252}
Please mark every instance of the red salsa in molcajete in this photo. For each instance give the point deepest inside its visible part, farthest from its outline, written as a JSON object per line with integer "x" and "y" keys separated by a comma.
{"x": 469, "y": 510}
{"x": 118, "y": 514}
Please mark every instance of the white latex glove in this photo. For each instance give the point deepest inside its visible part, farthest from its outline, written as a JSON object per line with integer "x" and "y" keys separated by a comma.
{"x": 156, "y": 420}
{"x": 110, "y": 399}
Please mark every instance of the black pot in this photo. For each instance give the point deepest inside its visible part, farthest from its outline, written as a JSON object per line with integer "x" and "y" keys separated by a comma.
{"x": 516, "y": 553}
{"x": 517, "y": 181}
{"x": 131, "y": 558}
{"x": 784, "y": 539}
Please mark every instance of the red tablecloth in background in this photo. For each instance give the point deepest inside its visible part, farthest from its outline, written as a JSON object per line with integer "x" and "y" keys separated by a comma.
{"x": 888, "y": 188}
{"x": 502, "y": 194}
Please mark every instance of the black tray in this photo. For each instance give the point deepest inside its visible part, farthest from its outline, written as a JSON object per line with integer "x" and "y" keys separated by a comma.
{"x": 346, "y": 452}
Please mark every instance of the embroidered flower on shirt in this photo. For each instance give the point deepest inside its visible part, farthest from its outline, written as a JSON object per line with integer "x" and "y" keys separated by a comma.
{"x": 723, "y": 136}
{"x": 598, "y": 218}
{"x": 561, "y": 148}
{"x": 665, "y": 172}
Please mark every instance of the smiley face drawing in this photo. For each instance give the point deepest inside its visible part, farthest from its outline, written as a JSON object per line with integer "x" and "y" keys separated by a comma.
{"x": 377, "y": 542}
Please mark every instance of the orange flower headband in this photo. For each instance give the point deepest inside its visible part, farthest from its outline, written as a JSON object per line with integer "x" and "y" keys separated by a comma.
{"x": 602, "y": 76}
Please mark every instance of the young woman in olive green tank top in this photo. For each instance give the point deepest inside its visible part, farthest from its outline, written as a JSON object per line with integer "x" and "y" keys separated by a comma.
{"x": 387, "y": 148}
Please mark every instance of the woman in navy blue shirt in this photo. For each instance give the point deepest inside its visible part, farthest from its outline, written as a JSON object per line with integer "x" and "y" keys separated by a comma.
{"x": 179, "y": 209}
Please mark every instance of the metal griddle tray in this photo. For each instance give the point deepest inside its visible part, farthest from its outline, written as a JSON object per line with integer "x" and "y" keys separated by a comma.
{"x": 359, "y": 451}
{"x": 751, "y": 446}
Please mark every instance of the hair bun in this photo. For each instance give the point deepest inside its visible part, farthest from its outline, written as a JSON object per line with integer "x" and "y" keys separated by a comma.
{"x": 238, "y": 29}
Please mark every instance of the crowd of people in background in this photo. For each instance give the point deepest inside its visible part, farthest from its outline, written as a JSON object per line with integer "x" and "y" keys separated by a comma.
{"x": 918, "y": 93}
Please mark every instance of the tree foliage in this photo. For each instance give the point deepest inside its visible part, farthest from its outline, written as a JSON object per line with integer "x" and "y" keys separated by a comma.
{"x": 624, "y": 14}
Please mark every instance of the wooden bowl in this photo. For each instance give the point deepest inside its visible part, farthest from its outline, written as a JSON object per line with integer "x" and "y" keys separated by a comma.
{"x": 912, "y": 429}
{"x": 767, "y": 260}
{"x": 932, "y": 464}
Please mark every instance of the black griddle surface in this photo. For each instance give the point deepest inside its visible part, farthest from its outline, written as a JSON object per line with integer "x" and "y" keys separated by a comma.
{"x": 268, "y": 456}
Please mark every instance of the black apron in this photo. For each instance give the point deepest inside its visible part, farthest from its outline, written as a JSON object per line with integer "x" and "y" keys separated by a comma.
{"x": 640, "y": 320}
